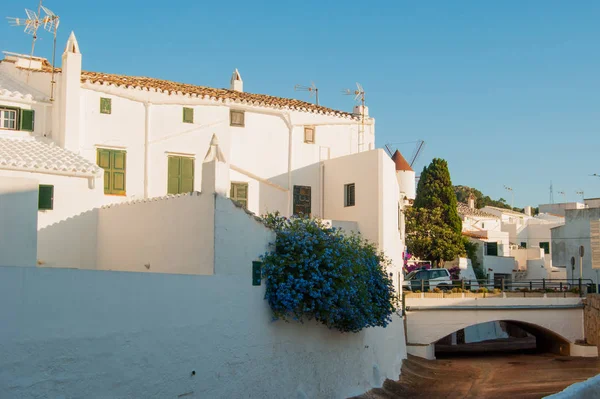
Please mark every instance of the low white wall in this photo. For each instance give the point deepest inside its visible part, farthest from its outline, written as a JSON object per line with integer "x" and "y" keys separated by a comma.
{"x": 84, "y": 333}
{"x": 168, "y": 234}
{"x": 18, "y": 221}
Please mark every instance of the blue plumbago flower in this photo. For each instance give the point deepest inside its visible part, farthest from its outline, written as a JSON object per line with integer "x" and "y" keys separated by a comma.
{"x": 316, "y": 272}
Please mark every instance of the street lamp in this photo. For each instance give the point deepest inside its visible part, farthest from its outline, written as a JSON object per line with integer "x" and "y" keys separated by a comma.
{"x": 512, "y": 201}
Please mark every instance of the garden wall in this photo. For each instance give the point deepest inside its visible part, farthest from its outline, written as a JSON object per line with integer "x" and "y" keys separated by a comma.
{"x": 591, "y": 319}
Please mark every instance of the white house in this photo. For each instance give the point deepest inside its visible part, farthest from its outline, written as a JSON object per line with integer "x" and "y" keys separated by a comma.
{"x": 94, "y": 139}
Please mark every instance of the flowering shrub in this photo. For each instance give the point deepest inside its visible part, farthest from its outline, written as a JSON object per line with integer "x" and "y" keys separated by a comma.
{"x": 316, "y": 272}
{"x": 454, "y": 273}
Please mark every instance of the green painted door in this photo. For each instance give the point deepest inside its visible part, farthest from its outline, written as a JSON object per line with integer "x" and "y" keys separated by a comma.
{"x": 114, "y": 163}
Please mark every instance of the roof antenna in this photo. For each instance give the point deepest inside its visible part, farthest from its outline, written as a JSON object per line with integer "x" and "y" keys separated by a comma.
{"x": 359, "y": 96}
{"x": 32, "y": 23}
{"x": 312, "y": 89}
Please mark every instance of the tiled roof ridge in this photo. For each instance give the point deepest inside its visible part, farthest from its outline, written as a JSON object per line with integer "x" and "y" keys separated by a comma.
{"x": 506, "y": 210}
{"x": 172, "y": 87}
{"x": 38, "y": 154}
{"x": 151, "y": 199}
{"x": 466, "y": 210}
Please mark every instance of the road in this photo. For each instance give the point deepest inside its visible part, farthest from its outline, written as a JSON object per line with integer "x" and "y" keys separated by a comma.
{"x": 488, "y": 376}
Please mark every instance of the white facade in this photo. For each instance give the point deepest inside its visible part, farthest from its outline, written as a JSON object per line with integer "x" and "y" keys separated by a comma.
{"x": 281, "y": 145}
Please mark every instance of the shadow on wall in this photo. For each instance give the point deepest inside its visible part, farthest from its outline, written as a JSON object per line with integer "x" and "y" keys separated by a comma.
{"x": 272, "y": 199}
{"x": 18, "y": 221}
{"x": 70, "y": 243}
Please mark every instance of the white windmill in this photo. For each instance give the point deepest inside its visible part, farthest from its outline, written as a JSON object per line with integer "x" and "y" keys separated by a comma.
{"x": 359, "y": 96}
{"x": 49, "y": 22}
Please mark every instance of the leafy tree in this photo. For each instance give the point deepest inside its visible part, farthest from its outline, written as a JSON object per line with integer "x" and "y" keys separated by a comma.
{"x": 471, "y": 249}
{"x": 428, "y": 237}
{"x": 435, "y": 191}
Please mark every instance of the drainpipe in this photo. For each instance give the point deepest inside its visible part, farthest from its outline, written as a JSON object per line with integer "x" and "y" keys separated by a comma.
{"x": 146, "y": 150}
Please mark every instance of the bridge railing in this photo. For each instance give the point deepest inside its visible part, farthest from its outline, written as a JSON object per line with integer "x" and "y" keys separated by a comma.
{"x": 579, "y": 287}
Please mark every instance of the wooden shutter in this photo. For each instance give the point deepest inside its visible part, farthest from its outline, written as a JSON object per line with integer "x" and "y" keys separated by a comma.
{"x": 27, "y": 119}
{"x": 350, "y": 195}
{"x": 118, "y": 172}
{"x": 174, "y": 174}
{"x": 105, "y": 105}
{"x": 236, "y": 118}
{"x": 302, "y": 201}
{"x": 187, "y": 175}
{"x": 188, "y": 115}
{"x": 104, "y": 162}
{"x": 309, "y": 135}
{"x": 239, "y": 193}
{"x": 46, "y": 197}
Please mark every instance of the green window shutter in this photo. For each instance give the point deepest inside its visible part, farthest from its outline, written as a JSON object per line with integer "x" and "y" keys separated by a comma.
{"x": 181, "y": 175}
{"x": 174, "y": 173}
{"x": 188, "y": 115}
{"x": 27, "y": 119}
{"x": 105, "y": 105}
{"x": 118, "y": 172}
{"x": 187, "y": 175}
{"x": 114, "y": 164}
{"x": 239, "y": 193}
{"x": 46, "y": 197}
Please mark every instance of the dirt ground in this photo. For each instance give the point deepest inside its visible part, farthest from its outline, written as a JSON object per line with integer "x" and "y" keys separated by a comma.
{"x": 487, "y": 376}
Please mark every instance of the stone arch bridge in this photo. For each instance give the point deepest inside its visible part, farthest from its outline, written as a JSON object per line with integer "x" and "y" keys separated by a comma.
{"x": 557, "y": 323}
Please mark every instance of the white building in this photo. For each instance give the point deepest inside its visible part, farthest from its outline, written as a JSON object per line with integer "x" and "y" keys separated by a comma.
{"x": 95, "y": 138}
{"x": 581, "y": 229}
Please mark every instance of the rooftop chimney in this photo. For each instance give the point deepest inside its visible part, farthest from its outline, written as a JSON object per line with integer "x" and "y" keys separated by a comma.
{"x": 471, "y": 201}
{"x": 215, "y": 170}
{"x": 236, "y": 84}
{"x": 528, "y": 211}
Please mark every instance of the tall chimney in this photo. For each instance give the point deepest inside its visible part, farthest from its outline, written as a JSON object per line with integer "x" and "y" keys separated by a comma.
{"x": 236, "y": 83}
{"x": 471, "y": 201}
{"x": 70, "y": 96}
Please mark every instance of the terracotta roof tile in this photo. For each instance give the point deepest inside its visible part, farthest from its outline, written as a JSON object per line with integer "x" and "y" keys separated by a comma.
{"x": 463, "y": 209}
{"x": 400, "y": 162}
{"x": 170, "y": 87}
{"x": 475, "y": 234}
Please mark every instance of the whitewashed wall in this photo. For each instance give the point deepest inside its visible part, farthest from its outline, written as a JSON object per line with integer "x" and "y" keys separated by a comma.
{"x": 74, "y": 333}
{"x": 18, "y": 221}
{"x": 170, "y": 235}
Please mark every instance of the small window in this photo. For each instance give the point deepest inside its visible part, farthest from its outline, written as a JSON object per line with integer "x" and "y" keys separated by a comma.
{"x": 239, "y": 193}
{"x": 309, "y": 134}
{"x": 491, "y": 248}
{"x": 523, "y": 245}
{"x": 349, "y": 194}
{"x": 188, "y": 115}
{"x": 237, "y": 118}
{"x": 8, "y": 119}
{"x": 180, "y": 175}
{"x": 46, "y": 197}
{"x": 546, "y": 247}
{"x": 105, "y": 105}
{"x": 483, "y": 225}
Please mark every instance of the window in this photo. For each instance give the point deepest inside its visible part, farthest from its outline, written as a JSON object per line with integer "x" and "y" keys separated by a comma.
{"x": 309, "y": 134}
{"x": 105, "y": 105}
{"x": 523, "y": 245}
{"x": 236, "y": 118}
{"x": 46, "y": 197}
{"x": 349, "y": 195}
{"x": 239, "y": 193}
{"x": 302, "y": 200}
{"x": 483, "y": 225}
{"x": 8, "y": 119}
{"x": 188, "y": 115}
{"x": 180, "y": 175}
{"x": 114, "y": 163}
{"x": 546, "y": 247}
{"x": 491, "y": 248}
{"x": 17, "y": 119}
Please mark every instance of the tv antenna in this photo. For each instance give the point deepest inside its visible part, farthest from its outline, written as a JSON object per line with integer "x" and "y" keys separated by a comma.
{"x": 359, "y": 96}
{"x": 312, "y": 89}
{"x": 595, "y": 175}
{"x": 581, "y": 193}
{"x": 49, "y": 22}
{"x": 564, "y": 195}
{"x": 551, "y": 193}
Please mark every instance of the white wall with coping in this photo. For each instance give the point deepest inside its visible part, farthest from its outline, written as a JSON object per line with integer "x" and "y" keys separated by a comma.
{"x": 67, "y": 333}
{"x": 170, "y": 235}
{"x": 18, "y": 221}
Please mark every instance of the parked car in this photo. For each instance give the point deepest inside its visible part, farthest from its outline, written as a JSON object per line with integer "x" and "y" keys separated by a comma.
{"x": 432, "y": 278}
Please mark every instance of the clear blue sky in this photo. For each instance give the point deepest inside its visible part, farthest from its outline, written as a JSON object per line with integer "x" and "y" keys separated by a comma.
{"x": 507, "y": 91}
